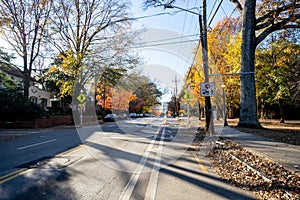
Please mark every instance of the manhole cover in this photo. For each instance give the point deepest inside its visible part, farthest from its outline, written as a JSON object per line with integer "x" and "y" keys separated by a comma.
{"x": 47, "y": 162}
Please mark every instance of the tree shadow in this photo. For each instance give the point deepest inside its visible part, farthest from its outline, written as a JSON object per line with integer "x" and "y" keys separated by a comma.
{"x": 56, "y": 186}
{"x": 52, "y": 184}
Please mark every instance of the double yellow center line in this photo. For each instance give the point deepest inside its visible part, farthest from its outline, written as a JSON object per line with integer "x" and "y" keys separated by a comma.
{"x": 23, "y": 171}
{"x": 13, "y": 175}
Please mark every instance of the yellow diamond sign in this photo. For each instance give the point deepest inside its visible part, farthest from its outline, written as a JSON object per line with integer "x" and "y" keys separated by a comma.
{"x": 81, "y": 98}
{"x": 187, "y": 96}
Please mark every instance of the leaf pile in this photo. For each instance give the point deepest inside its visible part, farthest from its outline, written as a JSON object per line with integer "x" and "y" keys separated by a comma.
{"x": 241, "y": 168}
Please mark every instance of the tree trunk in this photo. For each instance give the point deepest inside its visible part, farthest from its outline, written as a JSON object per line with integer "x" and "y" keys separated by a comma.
{"x": 248, "y": 112}
{"x": 26, "y": 76}
{"x": 26, "y": 83}
{"x": 281, "y": 112}
{"x": 262, "y": 111}
{"x": 199, "y": 107}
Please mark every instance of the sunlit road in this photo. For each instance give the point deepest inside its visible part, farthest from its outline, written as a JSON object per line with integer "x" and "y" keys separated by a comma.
{"x": 132, "y": 159}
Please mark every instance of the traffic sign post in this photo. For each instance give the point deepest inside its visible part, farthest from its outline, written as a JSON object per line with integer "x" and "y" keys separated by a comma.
{"x": 188, "y": 96}
{"x": 81, "y": 98}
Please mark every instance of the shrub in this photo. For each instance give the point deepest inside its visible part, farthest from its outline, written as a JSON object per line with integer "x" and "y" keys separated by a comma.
{"x": 14, "y": 107}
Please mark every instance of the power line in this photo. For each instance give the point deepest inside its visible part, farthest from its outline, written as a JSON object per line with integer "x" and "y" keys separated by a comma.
{"x": 173, "y": 38}
{"x": 183, "y": 28}
{"x": 197, "y": 49}
{"x": 161, "y": 44}
{"x": 225, "y": 23}
{"x": 215, "y": 12}
{"x": 195, "y": 30}
{"x": 212, "y": 9}
{"x": 155, "y": 42}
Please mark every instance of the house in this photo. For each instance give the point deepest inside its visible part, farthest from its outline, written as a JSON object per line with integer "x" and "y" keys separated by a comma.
{"x": 36, "y": 93}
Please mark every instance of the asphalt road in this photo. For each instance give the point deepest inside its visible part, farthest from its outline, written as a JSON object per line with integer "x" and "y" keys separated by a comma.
{"x": 35, "y": 145}
{"x": 134, "y": 159}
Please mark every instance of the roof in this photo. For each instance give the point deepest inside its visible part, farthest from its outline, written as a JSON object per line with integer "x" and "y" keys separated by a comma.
{"x": 14, "y": 71}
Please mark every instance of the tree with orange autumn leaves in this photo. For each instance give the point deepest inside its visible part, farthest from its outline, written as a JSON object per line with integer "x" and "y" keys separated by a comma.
{"x": 224, "y": 42}
{"x": 260, "y": 19}
{"x": 127, "y": 93}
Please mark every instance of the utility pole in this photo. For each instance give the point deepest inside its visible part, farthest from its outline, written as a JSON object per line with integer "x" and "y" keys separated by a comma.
{"x": 175, "y": 96}
{"x": 209, "y": 128}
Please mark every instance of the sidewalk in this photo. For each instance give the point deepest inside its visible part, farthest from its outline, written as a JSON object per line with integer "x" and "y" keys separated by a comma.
{"x": 284, "y": 154}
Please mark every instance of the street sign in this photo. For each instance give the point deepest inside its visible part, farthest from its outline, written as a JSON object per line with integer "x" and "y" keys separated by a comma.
{"x": 81, "y": 98}
{"x": 207, "y": 89}
{"x": 187, "y": 96}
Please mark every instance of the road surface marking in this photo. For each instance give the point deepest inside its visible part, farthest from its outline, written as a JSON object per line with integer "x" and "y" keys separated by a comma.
{"x": 127, "y": 138}
{"x": 126, "y": 193}
{"x": 36, "y": 144}
{"x": 13, "y": 175}
{"x": 23, "y": 171}
{"x": 69, "y": 151}
{"x": 202, "y": 167}
{"x": 152, "y": 185}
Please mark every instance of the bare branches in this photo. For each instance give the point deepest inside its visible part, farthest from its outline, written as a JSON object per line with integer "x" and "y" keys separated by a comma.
{"x": 76, "y": 29}
{"x": 291, "y": 7}
{"x": 156, "y": 3}
{"x": 273, "y": 16}
{"x": 238, "y": 5}
{"x": 285, "y": 16}
{"x": 25, "y": 25}
{"x": 284, "y": 24}
{"x": 279, "y": 15}
{"x": 24, "y": 28}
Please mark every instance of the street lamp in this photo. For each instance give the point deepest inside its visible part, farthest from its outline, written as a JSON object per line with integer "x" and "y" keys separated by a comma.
{"x": 224, "y": 105}
{"x": 203, "y": 38}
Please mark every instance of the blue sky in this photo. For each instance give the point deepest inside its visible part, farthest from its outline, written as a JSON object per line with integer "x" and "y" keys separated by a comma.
{"x": 176, "y": 57}
{"x": 183, "y": 22}
{"x": 175, "y": 28}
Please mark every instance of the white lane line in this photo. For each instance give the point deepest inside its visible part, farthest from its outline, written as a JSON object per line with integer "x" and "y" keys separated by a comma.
{"x": 127, "y": 192}
{"x": 36, "y": 144}
{"x": 152, "y": 185}
{"x": 130, "y": 138}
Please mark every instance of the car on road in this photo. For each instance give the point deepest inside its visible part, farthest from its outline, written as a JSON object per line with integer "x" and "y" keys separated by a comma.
{"x": 133, "y": 115}
{"x": 110, "y": 118}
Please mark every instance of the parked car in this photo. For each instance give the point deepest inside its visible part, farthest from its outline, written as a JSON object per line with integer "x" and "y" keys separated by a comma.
{"x": 133, "y": 115}
{"x": 110, "y": 118}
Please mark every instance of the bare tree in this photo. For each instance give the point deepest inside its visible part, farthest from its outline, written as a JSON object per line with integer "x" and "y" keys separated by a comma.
{"x": 87, "y": 29}
{"x": 24, "y": 23}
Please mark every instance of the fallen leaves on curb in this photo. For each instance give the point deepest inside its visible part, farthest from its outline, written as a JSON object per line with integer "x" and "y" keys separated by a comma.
{"x": 241, "y": 168}
{"x": 288, "y": 132}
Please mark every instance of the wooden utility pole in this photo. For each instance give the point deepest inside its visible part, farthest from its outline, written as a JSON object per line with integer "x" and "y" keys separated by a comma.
{"x": 209, "y": 127}
{"x": 175, "y": 97}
